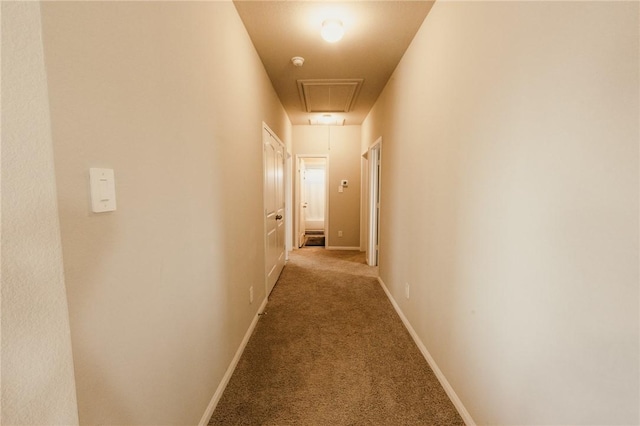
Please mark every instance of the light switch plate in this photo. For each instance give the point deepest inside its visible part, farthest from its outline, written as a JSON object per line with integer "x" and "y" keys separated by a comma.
{"x": 103, "y": 190}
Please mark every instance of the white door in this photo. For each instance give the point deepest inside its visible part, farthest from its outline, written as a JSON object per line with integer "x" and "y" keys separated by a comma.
{"x": 273, "y": 208}
{"x": 374, "y": 203}
{"x": 302, "y": 204}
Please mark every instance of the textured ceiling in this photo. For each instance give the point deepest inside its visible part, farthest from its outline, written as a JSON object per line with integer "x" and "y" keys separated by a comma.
{"x": 377, "y": 33}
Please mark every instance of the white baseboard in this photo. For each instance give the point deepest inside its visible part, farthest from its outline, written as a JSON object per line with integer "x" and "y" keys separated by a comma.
{"x": 342, "y": 248}
{"x": 227, "y": 375}
{"x": 466, "y": 417}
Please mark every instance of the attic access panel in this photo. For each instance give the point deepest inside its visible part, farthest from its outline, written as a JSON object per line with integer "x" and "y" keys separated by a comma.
{"x": 329, "y": 95}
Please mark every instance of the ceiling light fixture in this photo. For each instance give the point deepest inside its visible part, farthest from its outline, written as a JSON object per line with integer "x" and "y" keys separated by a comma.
{"x": 326, "y": 120}
{"x": 332, "y": 30}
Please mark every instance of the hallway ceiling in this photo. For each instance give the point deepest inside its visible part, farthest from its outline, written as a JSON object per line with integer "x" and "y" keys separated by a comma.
{"x": 377, "y": 33}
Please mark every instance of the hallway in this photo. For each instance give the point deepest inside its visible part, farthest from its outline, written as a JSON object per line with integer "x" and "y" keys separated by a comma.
{"x": 508, "y": 209}
{"x": 330, "y": 349}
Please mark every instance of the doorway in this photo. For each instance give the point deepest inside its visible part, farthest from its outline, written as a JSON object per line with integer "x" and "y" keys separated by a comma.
{"x": 312, "y": 213}
{"x": 374, "y": 162}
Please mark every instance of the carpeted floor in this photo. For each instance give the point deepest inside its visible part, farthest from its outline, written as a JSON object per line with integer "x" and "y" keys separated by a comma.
{"x": 332, "y": 351}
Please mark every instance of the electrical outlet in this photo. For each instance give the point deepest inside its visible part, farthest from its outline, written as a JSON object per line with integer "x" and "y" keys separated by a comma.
{"x": 406, "y": 290}
{"x": 339, "y": 233}
{"x": 251, "y": 294}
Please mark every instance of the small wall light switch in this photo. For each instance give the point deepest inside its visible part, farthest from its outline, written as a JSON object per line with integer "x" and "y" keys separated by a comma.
{"x": 103, "y": 190}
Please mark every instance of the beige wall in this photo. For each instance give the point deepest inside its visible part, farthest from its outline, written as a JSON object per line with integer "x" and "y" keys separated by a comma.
{"x": 37, "y": 366}
{"x": 172, "y": 96}
{"x": 342, "y": 145}
{"x": 510, "y": 205}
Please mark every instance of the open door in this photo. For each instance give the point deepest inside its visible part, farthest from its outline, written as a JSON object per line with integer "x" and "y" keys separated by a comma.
{"x": 374, "y": 203}
{"x": 302, "y": 205}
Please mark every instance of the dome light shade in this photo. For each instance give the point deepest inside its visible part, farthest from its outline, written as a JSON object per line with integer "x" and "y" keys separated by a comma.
{"x": 327, "y": 119}
{"x": 332, "y": 30}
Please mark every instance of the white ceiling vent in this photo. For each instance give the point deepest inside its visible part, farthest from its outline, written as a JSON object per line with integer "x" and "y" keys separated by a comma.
{"x": 320, "y": 95}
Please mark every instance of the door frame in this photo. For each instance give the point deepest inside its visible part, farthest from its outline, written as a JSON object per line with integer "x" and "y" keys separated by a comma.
{"x": 288, "y": 197}
{"x": 374, "y": 161}
{"x": 301, "y": 189}
{"x": 326, "y": 196}
{"x": 266, "y": 128}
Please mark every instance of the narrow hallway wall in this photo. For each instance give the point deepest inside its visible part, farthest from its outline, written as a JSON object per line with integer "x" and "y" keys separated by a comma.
{"x": 38, "y": 386}
{"x": 172, "y": 96}
{"x": 510, "y": 206}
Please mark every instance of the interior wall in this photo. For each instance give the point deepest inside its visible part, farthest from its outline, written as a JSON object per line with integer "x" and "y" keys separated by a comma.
{"x": 342, "y": 145}
{"x": 37, "y": 365}
{"x": 510, "y": 205}
{"x": 172, "y": 96}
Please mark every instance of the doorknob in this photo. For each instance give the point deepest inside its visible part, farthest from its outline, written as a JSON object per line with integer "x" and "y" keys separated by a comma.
{"x": 278, "y": 217}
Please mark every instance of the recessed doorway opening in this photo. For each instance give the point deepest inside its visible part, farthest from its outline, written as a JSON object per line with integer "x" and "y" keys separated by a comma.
{"x": 312, "y": 201}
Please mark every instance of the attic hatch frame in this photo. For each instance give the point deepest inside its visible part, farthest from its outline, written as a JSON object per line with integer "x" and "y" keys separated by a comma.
{"x": 347, "y": 88}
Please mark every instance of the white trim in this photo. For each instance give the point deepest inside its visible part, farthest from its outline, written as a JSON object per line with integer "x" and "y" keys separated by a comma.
{"x": 364, "y": 185}
{"x": 342, "y": 248}
{"x": 234, "y": 362}
{"x": 466, "y": 417}
{"x": 288, "y": 197}
{"x": 374, "y": 165}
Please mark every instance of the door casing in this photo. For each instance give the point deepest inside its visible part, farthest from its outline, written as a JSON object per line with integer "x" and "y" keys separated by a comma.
{"x": 373, "y": 208}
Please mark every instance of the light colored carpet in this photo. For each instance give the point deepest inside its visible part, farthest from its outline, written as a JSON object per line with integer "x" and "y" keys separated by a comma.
{"x": 331, "y": 350}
